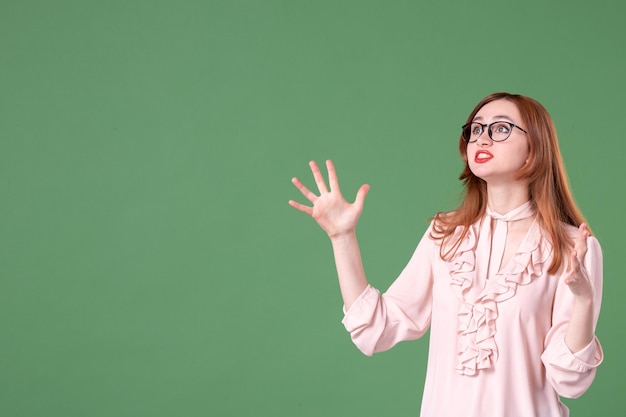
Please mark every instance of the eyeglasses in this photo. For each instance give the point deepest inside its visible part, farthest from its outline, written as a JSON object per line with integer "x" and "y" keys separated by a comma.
{"x": 498, "y": 131}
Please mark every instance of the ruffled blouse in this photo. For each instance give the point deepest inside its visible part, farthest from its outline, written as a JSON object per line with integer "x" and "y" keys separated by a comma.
{"x": 496, "y": 332}
{"x": 480, "y": 289}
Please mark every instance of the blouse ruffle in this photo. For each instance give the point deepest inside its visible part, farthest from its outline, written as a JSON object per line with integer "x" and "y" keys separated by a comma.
{"x": 480, "y": 297}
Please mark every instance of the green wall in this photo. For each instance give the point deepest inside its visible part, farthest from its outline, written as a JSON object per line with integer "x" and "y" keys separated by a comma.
{"x": 149, "y": 262}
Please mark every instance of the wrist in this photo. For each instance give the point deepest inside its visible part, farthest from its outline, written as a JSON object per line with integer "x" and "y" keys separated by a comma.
{"x": 584, "y": 300}
{"x": 341, "y": 237}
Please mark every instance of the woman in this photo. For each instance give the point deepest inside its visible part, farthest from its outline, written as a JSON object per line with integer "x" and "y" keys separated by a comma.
{"x": 509, "y": 284}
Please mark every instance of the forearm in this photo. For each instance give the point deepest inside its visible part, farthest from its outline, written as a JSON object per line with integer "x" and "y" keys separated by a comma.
{"x": 352, "y": 280}
{"x": 580, "y": 330}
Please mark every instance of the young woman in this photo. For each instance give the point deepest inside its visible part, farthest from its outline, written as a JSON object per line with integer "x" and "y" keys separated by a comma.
{"x": 509, "y": 284}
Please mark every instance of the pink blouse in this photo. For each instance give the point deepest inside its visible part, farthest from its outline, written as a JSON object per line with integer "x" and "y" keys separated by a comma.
{"x": 497, "y": 338}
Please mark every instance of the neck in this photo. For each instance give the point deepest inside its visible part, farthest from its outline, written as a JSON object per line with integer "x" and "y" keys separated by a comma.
{"x": 504, "y": 198}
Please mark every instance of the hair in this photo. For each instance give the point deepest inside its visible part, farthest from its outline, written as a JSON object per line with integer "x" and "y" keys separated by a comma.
{"x": 547, "y": 180}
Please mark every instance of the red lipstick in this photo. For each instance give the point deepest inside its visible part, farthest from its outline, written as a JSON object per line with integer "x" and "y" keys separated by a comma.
{"x": 482, "y": 156}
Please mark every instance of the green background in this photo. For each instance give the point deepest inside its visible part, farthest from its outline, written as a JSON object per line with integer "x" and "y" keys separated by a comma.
{"x": 149, "y": 262}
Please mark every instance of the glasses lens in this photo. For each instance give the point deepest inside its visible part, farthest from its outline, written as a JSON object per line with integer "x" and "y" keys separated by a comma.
{"x": 476, "y": 129}
{"x": 472, "y": 131}
{"x": 500, "y": 131}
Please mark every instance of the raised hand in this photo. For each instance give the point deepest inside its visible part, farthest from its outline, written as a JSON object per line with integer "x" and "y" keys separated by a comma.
{"x": 331, "y": 211}
{"x": 576, "y": 276}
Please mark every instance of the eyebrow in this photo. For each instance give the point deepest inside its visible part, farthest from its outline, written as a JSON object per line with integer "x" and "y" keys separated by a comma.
{"x": 498, "y": 117}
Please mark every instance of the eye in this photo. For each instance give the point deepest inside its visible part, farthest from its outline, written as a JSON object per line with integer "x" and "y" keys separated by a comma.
{"x": 501, "y": 127}
{"x": 477, "y": 129}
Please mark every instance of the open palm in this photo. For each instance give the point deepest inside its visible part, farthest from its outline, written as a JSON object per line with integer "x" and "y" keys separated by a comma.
{"x": 330, "y": 209}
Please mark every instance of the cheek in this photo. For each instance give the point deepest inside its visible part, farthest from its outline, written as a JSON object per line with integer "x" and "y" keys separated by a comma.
{"x": 473, "y": 166}
{"x": 525, "y": 152}
{"x": 526, "y": 148}
{"x": 522, "y": 159}
{"x": 519, "y": 154}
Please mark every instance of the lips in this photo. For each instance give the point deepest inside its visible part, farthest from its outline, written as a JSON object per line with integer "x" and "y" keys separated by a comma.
{"x": 482, "y": 156}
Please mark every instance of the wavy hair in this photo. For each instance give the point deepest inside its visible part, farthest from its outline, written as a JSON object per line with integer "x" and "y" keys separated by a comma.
{"x": 545, "y": 173}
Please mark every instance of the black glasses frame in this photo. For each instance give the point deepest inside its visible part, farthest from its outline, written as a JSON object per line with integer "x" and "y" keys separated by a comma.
{"x": 467, "y": 134}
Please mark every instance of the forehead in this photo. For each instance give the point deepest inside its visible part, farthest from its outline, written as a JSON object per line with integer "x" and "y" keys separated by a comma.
{"x": 498, "y": 109}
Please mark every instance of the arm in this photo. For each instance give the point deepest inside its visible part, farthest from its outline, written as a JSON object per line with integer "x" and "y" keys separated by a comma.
{"x": 352, "y": 281}
{"x": 572, "y": 351}
{"x": 378, "y": 322}
{"x": 581, "y": 327}
{"x": 338, "y": 219}
{"x": 375, "y": 322}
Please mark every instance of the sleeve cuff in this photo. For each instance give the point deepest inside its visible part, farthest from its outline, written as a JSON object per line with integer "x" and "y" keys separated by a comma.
{"x": 361, "y": 310}
{"x": 584, "y": 360}
{"x": 590, "y": 354}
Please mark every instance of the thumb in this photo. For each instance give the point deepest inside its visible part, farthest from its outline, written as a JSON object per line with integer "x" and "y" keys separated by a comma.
{"x": 361, "y": 194}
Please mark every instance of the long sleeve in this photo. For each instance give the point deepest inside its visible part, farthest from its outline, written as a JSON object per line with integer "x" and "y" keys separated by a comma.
{"x": 377, "y": 322}
{"x": 571, "y": 374}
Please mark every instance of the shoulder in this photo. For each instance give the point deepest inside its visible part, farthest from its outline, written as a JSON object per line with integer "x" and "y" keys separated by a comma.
{"x": 566, "y": 230}
{"x": 573, "y": 231}
{"x": 594, "y": 250}
{"x": 570, "y": 230}
{"x": 442, "y": 224}
{"x": 444, "y": 219}
{"x": 443, "y": 216}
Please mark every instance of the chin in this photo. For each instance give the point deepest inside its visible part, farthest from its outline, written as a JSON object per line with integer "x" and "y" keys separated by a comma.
{"x": 479, "y": 171}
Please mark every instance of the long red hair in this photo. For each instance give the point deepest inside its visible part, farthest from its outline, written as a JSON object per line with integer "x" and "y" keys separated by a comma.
{"x": 545, "y": 173}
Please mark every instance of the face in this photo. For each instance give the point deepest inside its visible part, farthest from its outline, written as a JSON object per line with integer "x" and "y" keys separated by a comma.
{"x": 497, "y": 162}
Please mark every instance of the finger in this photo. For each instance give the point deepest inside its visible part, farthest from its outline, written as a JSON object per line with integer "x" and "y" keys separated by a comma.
{"x": 332, "y": 176}
{"x": 308, "y": 194}
{"x": 319, "y": 178}
{"x": 361, "y": 194}
{"x": 581, "y": 242}
{"x": 301, "y": 207}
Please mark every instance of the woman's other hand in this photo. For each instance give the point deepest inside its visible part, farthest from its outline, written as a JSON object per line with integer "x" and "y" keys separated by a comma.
{"x": 576, "y": 276}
